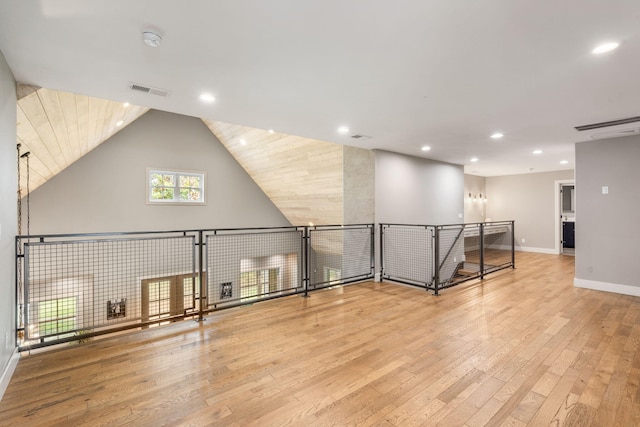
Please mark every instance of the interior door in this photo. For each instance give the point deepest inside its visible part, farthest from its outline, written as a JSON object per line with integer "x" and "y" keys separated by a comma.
{"x": 162, "y": 297}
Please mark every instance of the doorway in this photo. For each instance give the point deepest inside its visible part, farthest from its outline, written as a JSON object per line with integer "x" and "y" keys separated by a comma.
{"x": 567, "y": 217}
{"x": 166, "y": 297}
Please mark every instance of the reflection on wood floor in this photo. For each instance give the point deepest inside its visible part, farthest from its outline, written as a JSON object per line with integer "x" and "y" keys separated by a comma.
{"x": 523, "y": 347}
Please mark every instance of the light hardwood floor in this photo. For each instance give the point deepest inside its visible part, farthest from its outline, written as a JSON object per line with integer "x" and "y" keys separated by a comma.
{"x": 524, "y": 347}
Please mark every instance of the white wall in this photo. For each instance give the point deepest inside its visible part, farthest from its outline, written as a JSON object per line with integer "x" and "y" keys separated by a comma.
{"x": 413, "y": 190}
{"x": 607, "y": 232}
{"x": 8, "y": 221}
{"x": 106, "y": 189}
{"x": 528, "y": 199}
{"x": 474, "y": 209}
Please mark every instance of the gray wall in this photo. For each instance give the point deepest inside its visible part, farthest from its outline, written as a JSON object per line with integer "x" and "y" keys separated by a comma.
{"x": 413, "y": 190}
{"x": 106, "y": 189}
{"x": 358, "y": 181}
{"x": 528, "y": 199}
{"x": 8, "y": 217}
{"x": 607, "y": 232}
{"x": 474, "y": 210}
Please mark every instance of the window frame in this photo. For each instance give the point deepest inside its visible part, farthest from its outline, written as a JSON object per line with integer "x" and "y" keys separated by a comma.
{"x": 176, "y": 188}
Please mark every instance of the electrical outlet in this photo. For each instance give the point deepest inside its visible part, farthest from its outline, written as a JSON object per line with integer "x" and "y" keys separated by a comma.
{"x": 523, "y": 240}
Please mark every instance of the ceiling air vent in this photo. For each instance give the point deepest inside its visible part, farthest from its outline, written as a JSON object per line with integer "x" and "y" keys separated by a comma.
{"x": 360, "y": 136}
{"x": 615, "y": 133}
{"x": 150, "y": 90}
{"x": 608, "y": 124}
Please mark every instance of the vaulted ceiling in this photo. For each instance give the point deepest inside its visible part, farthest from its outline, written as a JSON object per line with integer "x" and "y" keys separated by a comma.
{"x": 303, "y": 177}
{"x": 444, "y": 73}
{"x": 57, "y": 128}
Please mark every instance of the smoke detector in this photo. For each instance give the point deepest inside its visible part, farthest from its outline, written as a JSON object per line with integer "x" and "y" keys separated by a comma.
{"x": 151, "y": 39}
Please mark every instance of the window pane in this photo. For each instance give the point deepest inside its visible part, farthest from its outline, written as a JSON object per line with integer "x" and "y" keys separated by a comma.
{"x": 161, "y": 193}
{"x": 168, "y": 180}
{"x": 156, "y": 179}
{"x": 184, "y": 181}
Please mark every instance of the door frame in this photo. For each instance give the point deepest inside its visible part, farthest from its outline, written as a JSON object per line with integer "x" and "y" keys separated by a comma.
{"x": 557, "y": 211}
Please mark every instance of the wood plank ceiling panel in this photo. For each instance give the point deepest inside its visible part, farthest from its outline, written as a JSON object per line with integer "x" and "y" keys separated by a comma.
{"x": 303, "y": 177}
{"x": 58, "y": 128}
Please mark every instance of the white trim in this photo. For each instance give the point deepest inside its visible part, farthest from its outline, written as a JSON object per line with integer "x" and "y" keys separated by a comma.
{"x": 557, "y": 211}
{"x": 536, "y": 250}
{"x": 523, "y": 249}
{"x": 8, "y": 371}
{"x": 607, "y": 287}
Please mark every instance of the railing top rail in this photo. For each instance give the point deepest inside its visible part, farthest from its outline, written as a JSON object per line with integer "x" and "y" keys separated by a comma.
{"x": 102, "y": 234}
{"x": 465, "y": 224}
{"x": 316, "y": 227}
{"x": 383, "y": 224}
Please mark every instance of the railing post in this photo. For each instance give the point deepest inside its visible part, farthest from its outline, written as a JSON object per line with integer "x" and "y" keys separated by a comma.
{"x": 381, "y": 249}
{"x": 513, "y": 244}
{"x": 203, "y": 288}
{"x": 373, "y": 251}
{"x": 436, "y": 258}
{"x": 306, "y": 254}
{"x": 482, "y": 250}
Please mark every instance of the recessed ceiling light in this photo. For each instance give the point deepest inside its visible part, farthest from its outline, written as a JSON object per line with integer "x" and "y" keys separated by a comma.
{"x": 271, "y": 131}
{"x": 474, "y": 159}
{"x": 207, "y": 97}
{"x": 497, "y": 135}
{"x": 564, "y": 162}
{"x": 425, "y": 148}
{"x": 119, "y": 123}
{"x": 605, "y": 47}
{"x": 343, "y": 130}
{"x": 126, "y": 104}
{"x": 537, "y": 151}
{"x": 243, "y": 142}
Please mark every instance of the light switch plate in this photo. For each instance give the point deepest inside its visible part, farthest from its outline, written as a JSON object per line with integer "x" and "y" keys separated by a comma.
{"x": 605, "y": 190}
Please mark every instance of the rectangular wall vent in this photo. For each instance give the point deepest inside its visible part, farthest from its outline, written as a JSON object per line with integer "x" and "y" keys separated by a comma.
{"x": 150, "y": 90}
{"x": 360, "y": 136}
{"x": 608, "y": 124}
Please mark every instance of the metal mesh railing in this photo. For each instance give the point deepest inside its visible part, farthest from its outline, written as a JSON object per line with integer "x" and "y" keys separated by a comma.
{"x": 408, "y": 253}
{"x": 250, "y": 265}
{"x": 81, "y": 285}
{"x": 340, "y": 254}
{"x": 498, "y": 245}
{"x": 463, "y": 252}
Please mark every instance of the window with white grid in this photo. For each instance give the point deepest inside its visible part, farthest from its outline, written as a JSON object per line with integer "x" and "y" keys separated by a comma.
{"x": 175, "y": 187}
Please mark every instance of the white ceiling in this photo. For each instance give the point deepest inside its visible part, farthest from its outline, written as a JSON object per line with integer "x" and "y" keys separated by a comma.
{"x": 446, "y": 73}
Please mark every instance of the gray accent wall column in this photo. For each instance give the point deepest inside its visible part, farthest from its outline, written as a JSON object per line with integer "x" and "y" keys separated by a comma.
{"x": 358, "y": 185}
{"x": 607, "y": 231}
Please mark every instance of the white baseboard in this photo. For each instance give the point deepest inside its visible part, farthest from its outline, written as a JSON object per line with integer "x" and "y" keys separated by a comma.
{"x": 8, "y": 372}
{"x": 523, "y": 249}
{"x": 536, "y": 250}
{"x": 607, "y": 287}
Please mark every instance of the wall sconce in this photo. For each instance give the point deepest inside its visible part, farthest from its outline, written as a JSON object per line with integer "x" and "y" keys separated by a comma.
{"x": 474, "y": 198}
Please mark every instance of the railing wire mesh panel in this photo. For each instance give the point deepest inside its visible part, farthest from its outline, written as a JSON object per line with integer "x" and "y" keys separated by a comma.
{"x": 245, "y": 266}
{"x": 339, "y": 254}
{"x": 76, "y": 287}
{"x": 498, "y": 241}
{"x": 408, "y": 253}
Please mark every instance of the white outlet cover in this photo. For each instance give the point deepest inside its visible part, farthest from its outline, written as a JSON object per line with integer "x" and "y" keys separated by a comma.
{"x": 605, "y": 190}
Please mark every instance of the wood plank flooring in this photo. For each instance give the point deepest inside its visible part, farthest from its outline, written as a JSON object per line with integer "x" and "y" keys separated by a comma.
{"x": 523, "y": 347}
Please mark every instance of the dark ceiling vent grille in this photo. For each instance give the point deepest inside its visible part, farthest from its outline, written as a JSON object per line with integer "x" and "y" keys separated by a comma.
{"x": 140, "y": 88}
{"x": 608, "y": 124}
{"x": 150, "y": 90}
{"x": 360, "y": 136}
